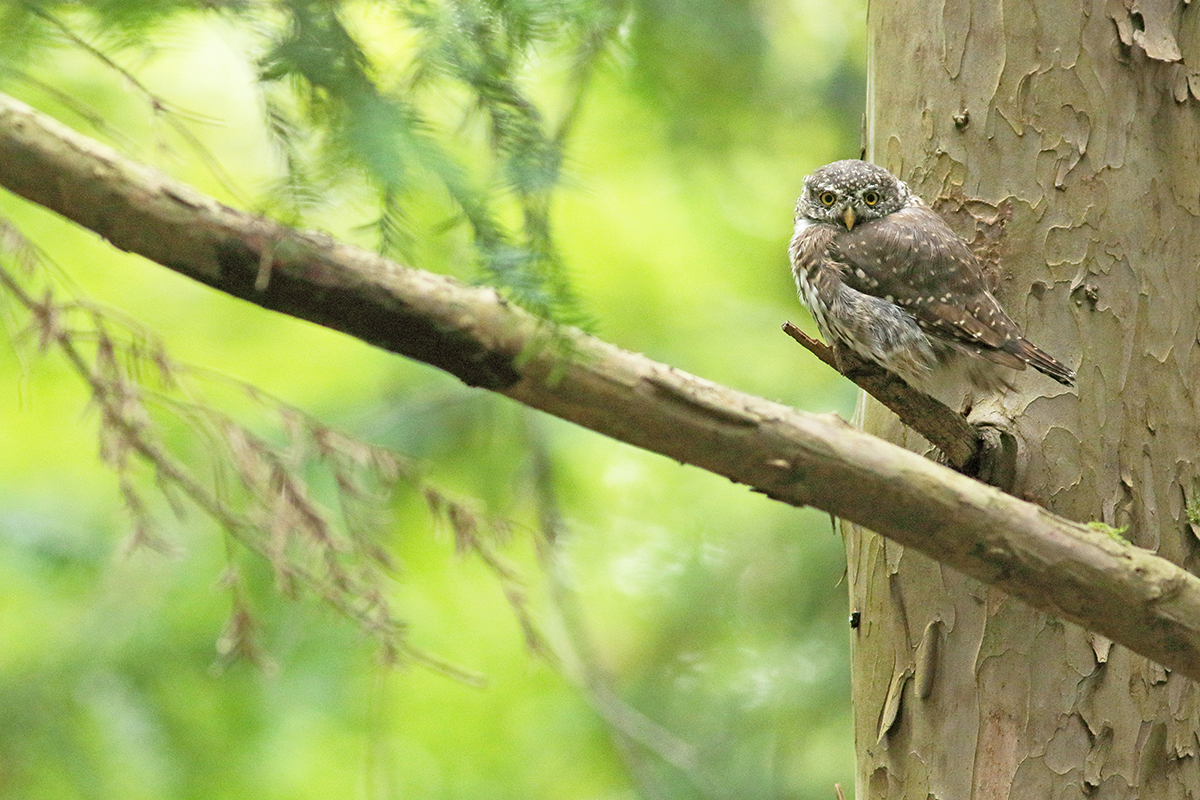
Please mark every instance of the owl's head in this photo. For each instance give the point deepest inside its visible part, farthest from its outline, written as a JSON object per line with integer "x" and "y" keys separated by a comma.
{"x": 849, "y": 193}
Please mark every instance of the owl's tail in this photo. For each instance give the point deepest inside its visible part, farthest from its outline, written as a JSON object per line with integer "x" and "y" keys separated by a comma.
{"x": 1042, "y": 361}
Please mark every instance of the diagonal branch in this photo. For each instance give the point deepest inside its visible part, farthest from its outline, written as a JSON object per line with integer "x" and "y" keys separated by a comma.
{"x": 941, "y": 425}
{"x": 1124, "y": 592}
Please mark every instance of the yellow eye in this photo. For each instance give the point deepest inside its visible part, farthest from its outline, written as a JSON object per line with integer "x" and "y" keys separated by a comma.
{"x": 828, "y": 198}
{"x": 871, "y": 198}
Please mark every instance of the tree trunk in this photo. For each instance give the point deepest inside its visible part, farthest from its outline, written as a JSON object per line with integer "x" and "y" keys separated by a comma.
{"x": 1063, "y": 138}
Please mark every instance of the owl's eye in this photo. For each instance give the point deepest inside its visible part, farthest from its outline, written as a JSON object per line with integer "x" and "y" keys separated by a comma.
{"x": 828, "y": 198}
{"x": 871, "y": 198}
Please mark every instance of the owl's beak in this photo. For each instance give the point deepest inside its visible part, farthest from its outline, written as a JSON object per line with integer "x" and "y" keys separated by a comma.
{"x": 848, "y": 217}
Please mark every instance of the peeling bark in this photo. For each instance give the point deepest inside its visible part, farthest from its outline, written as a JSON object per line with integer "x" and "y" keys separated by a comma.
{"x": 1079, "y": 119}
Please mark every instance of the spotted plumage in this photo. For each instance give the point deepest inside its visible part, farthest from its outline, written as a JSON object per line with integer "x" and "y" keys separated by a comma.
{"x": 885, "y": 276}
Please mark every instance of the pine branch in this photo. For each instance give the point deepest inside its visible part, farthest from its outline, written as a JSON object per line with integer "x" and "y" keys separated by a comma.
{"x": 1126, "y": 593}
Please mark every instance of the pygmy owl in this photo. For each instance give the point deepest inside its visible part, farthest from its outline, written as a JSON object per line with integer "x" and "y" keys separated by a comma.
{"x": 886, "y": 277}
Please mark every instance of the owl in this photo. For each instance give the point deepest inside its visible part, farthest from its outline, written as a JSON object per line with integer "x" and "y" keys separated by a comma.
{"x": 886, "y": 277}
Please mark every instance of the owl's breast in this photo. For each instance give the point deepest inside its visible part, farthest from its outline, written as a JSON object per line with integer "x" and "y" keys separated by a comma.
{"x": 813, "y": 270}
{"x": 874, "y": 327}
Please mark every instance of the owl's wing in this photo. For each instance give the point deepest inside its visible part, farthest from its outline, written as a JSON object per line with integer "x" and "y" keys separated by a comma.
{"x": 914, "y": 259}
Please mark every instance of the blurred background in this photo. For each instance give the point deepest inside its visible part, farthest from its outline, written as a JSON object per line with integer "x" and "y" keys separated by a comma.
{"x": 691, "y": 637}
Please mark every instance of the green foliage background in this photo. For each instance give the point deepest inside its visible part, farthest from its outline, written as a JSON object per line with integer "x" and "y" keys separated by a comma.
{"x": 632, "y": 166}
